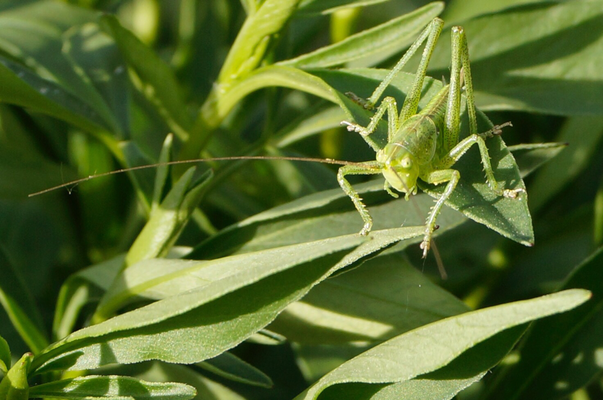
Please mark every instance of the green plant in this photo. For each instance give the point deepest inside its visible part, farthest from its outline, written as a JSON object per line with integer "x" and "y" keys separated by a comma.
{"x": 209, "y": 277}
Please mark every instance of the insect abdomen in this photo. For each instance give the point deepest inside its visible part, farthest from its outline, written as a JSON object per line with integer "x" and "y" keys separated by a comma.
{"x": 418, "y": 135}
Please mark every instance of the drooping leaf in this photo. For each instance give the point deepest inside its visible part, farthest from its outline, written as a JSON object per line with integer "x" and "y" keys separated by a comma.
{"x": 214, "y": 316}
{"x": 384, "y": 40}
{"x": 560, "y": 354}
{"x": 434, "y": 346}
{"x": 383, "y": 299}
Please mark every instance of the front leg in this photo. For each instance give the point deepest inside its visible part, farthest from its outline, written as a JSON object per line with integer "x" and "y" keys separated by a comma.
{"x": 451, "y": 176}
{"x": 367, "y": 168}
{"x": 388, "y": 104}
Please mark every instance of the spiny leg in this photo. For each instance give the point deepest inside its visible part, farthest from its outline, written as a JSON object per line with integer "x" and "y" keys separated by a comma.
{"x": 451, "y": 176}
{"x": 387, "y": 105}
{"x": 431, "y": 34}
{"x": 460, "y": 73}
{"x": 461, "y": 148}
{"x": 367, "y": 168}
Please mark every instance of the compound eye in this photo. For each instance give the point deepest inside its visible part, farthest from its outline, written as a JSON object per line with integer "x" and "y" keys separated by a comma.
{"x": 406, "y": 163}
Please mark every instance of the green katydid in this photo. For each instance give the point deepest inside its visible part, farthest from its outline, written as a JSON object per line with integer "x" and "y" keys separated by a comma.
{"x": 423, "y": 145}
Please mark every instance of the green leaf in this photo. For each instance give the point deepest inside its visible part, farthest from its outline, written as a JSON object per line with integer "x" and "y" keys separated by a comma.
{"x": 25, "y": 171}
{"x": 14, "y": 385}
{"x": 162, "y": 372}
{"x": 231, "y": 367}
{"x": 417, "y": 389}
{"x": 511, "y": 70}
{"x": 385, "y": 39}
{"x": 112, "y": 387}
{"x": 318, "y": 216}
{"x": 530, "y": 156}
{"x": 274, "y": 75}
{"x": 563, "y": 353}
{"x": 167, "y": 221}
{"x": 434, "y": 346}
{"x": 97, "y": 61}
{"x": 80, "y": 289}
{"x": 252, "y": 40}
{"x": 582, "y": 134}
{"x": 313, "y": 7}
{"x": 19, "y": 305}
{"x": 241, "y": 295}
{"x": 327, "y": 118}
{"x": 34, "y": 33}
{"x": 461, "y": 10}
{"x": 384, "y": 298}
{"x": 23, "y": 88}
{"x": 5, "y": 358}
{"x": 162, "y": 86}
{"x": 472, "y": 196}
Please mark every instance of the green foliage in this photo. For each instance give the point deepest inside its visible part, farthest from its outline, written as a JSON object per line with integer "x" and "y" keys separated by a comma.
{"x": 247, "y": 279}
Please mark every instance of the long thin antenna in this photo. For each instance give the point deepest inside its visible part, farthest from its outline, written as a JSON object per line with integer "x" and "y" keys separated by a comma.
{"x": 198, "y": 160}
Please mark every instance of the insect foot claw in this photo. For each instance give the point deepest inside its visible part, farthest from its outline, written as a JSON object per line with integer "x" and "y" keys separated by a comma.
{"x": 513, "y": 193}
{"x": 425, "y": 244}
{"x": 351, "y": 127}
{"x": 365, "y": 229}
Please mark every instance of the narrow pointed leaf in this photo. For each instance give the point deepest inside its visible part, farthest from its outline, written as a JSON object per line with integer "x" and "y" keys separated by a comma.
{"x": 563, "y": 353}
{"x": 248, "y": 49}
{"x": 389, "y": 38}
{"x": 231, "y": 367}
{"x": 433, "y": 346}
{"x": 383, "y": 299}
{"x": 530, "y": 157}
{"x": 321, "y": 215}
{"x": 583, "y": 134}
{"x": 22, "y": 87}
{"x": 112, "y": 387}
{"x": 19, "y": 305}
{"x": 98, "y": 62}
{"x": 168, "y": 220}
{"x": 163, "y": 85}
{"x": 14, "y": 385}
{"x": 244, "y": 293}
{"x": 5, "y": 359}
